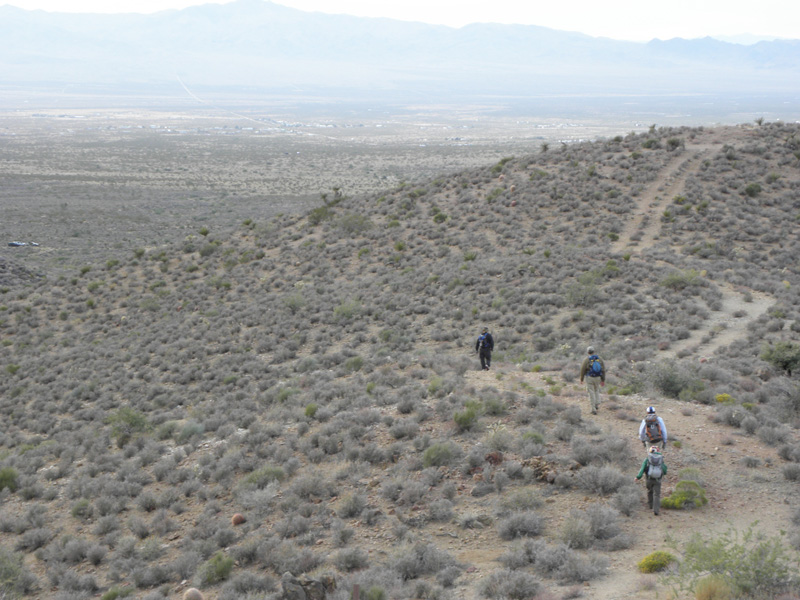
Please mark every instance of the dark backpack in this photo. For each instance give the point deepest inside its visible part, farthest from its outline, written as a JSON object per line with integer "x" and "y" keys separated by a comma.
{"x": 652, "y": 429}
{"x": 595, "y": 367}
{"x": 655, "y": 464}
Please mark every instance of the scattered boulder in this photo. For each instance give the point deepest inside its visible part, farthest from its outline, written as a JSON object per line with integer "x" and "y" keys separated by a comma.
{"x": 192, "y": 594}
{"x": 542, "y": 469}
{"x": 238, "y": 519}
{"x": 306, "y": 588}
{"x": 494, "y": 458}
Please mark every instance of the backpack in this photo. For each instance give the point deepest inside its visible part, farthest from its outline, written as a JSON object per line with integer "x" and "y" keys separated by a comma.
{"x": 654, "y": 465}
{"x": 595, "y": 368}
{"x": 652, "y": 429}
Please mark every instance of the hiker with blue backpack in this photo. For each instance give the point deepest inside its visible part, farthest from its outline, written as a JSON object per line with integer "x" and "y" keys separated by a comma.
{"x": 484, "y": 347}
{"x": 655, "y": 468}
{"x": 594, "y": 371}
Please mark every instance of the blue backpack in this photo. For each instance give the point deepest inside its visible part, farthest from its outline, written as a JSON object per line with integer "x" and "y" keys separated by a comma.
{"x": 595, "y": 368}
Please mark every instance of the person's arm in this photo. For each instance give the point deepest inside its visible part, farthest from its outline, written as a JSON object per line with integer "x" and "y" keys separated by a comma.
{"x": 602, "y": 372}
{"x": 584, "y": 366}
{"x": 664, "y": 467}
{"x": 663, "y": 432}
{"x": 642, "y": 436}
{"x": 641, "y": 471}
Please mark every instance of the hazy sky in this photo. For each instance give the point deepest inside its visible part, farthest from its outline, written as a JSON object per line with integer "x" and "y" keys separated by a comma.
{"x": 638, "y": 20}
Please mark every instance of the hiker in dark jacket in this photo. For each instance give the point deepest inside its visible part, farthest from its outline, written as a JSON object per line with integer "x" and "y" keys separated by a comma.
{"x": 594, "y": 380}
{"x": 484, "y": 347}
{"x": 655, "y": 468}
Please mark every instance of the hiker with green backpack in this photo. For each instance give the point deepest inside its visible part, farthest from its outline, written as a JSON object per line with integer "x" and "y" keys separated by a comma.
{"x": 594, "y": 371}
{"x": 655, "y": 468}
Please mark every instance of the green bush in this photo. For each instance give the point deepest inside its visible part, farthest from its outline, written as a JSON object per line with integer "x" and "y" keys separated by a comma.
{"x": 468, "y": 418}
{"x": 752, "y": 189}
{"x": 126, "y": 423}
{"x": 656, "y": 561}
{"x": 8, "y": 478}
{"x": 438, "y": 455}
{"x": 264, "y": 476}
{"x": 687, "y": 494}
{"x": 783, "y": 355}
{"x": 14, "y": 579}
{"x": 752, "y": 565}
{"x": 215, "y": 569}
{"x": 375, "y": 593}
{"x": 118, "y": 592}
{"x": 680, "y": 280}
{"x": 354, "y": 363}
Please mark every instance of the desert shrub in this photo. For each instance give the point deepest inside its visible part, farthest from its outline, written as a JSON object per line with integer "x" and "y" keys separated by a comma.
{"x": 9, "y": 479}
{"x": 421, "y": 559}
{"x": 674, "y": 379}
{"x": 687, "y": 494}
{"x": 441, "y": 510}
{"x": 351, "y": 506}
{"x": 126, "y": 423}
{"x": 512, "y": 585}
{"x": 580, "y": 569}
{"x": 246, "y": 585}
{"x": 752, "y": 565}
{"x": 782, "y": 355}
{"x": 791, "y": 472}
{"x": 713, "y": 587}
{"x": 772, "y": 435}
{"x": 680, "y": 280}
{"x": 351, "y": 559}
{"x": 575, "y": 531}
{"x": 626, "y": 500}
{"x": 15, "y": 580}
{"x": 750, "y": 424}
{"x": 600, "y": 480}
{"x": 118, "y": 592}
{"x": 524, "y": 524}
{"x": 466, "y": 419}
{"x": 522, "y": 499}
{"x": 582, "y": 528}
{"x": 215, "y": 569}
{"x": 34, "y": 539}
{"x": 439, "y": 455}
{"x": 499, "y": 438}
{"x": 656, "y": 561}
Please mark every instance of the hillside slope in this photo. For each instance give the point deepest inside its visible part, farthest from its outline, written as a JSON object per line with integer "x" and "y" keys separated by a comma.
{"x": 317, "y": 375}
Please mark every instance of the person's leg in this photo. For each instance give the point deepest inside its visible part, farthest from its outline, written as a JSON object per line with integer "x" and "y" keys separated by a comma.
{"x": 656, "y": 496}
{"x": 483, "y": 359}
{"x": 593, "y": 387}
{"x": 649, "y": 483}
{"x": 488, "y": 358}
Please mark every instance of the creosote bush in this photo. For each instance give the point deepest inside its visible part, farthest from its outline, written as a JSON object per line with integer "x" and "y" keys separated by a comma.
{"x": 751, "y": 564}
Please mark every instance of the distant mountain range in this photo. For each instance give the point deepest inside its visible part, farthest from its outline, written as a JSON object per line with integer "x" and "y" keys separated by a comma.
{"x": 261, "y": 46}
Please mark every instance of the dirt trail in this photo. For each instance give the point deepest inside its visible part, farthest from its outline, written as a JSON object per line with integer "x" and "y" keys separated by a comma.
{"x": 737, "y": 496}
{"x": 656, "y": 197}
{"x": 726, "y": 325}
{"x": 739, "y": 309}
